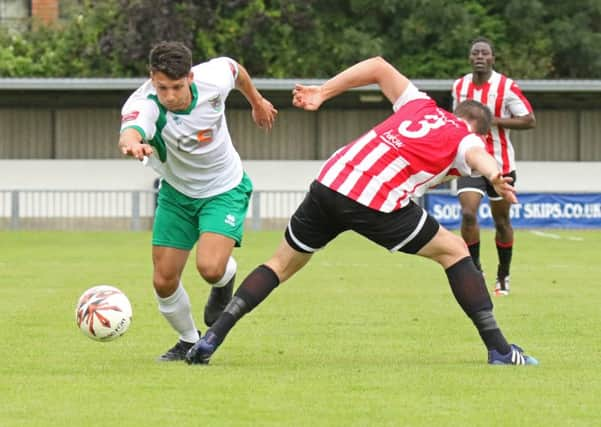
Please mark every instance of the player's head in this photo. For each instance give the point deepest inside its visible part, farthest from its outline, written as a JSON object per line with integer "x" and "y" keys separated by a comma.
{"x": 173, "y": 59}
{"x": 170, "y": 66}
{"x": 482, "y": 55}
{"x": 476, "y": 114}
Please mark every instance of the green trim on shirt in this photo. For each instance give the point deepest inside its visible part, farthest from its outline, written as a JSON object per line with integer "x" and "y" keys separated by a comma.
{"x": 136, "y": 127}
{"x": 158, "y": 142}
{"x": 188, "y": 110}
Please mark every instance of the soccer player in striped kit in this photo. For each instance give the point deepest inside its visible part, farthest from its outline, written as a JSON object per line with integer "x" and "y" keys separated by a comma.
{"x": 511, "y": 110}
{"x": 367, "y": 186}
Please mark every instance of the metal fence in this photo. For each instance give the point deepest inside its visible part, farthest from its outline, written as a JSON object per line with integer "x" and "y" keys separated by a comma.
{"x": 97, "y": 210}
{"x": 120, "y": 210}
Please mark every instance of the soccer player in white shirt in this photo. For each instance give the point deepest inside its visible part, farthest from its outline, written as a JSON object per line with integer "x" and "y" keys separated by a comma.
{"x": 176, "y": 121}
{"x": 511, "y": 110}
{"x": 367, "y": 187}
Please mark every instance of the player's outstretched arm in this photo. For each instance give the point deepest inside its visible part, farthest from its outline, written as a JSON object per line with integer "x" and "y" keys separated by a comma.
{"x": 479, "y": 159}
{"x": 131, "y": 144}
{"x": 374, "y": 70}
{"x": 522, "y": 122}
{"x": 263, "y": 112}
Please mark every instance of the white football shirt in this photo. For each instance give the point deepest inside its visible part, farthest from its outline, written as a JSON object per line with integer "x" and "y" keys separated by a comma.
{"x": 193, "y": 150}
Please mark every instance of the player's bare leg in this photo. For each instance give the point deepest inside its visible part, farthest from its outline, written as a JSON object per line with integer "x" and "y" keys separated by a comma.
{"x": 168, "y": 264}
{"x": 216, "y": 265}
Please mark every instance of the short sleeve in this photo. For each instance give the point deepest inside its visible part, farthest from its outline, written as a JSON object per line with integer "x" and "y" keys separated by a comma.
{"x": 455, "y": 101}
{"x": 411, "y": 92}
{"x": 222, "y": 72}
{"x": 469, "y": 141}
{"x": 140, "y": 114}
{"x": 516, "y": 103}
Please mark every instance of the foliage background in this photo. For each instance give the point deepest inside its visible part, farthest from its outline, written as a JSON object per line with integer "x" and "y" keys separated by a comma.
{"x": 311, "y": 38}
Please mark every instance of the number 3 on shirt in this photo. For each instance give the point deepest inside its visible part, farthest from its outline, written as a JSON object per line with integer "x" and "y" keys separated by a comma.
{"x": 429, "y": 122}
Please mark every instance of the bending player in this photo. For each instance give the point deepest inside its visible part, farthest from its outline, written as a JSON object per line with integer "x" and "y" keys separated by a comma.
{"x": 367, "y": 186}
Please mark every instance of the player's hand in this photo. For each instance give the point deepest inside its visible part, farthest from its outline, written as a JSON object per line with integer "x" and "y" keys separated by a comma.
{"x": 307, "y": 97}
{"x": 264, "y": 114}
{"x": 503, "y": 187}
{"x": 136, "y": 149}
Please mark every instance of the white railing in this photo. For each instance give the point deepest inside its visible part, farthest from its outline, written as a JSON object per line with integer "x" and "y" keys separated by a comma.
{"x": 119, "y": 209}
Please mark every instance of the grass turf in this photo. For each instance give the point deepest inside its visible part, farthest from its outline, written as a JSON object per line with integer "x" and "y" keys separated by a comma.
{"x": 359, "y": 337}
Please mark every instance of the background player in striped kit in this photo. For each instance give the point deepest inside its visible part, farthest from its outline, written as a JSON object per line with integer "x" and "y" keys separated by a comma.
{"x": 367, "y": 187}
{"x": 176, "y": 121}
{"x": 511, "y": 110}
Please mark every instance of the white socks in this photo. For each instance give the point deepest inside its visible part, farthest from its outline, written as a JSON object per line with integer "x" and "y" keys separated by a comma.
{"x": 230, "y": 270}
{"x": 177, "y": 310}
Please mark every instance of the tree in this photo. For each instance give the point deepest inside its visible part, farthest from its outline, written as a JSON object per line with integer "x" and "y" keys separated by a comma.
{"x": 315, "y": 39}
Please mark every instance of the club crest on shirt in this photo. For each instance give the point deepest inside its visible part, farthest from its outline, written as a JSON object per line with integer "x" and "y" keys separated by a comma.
{"x": 215, "y": 103}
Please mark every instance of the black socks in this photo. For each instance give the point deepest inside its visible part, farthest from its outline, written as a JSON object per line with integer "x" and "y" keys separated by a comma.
{"x": 252, "y": 291}
{"x": 474, "y": 249}
{"x": 469, "y": 289}
{"x": 504, "y": 251}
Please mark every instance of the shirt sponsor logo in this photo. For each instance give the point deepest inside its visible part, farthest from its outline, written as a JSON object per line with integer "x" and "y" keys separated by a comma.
{"x": 390, "y": 138}
{"x": 204, "y": 137}
{"x": 130, "y": 116}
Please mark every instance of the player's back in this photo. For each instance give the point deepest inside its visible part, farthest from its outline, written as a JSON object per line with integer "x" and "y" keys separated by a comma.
{"x": 401, "y": 157}
{"x": 425, "y": 135}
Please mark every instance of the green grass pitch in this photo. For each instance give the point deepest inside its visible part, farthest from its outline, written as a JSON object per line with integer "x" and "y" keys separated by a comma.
{"x": 360, "y": 337}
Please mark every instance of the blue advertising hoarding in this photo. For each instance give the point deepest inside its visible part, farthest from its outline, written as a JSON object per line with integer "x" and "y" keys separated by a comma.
{"x": 540, "y": 210}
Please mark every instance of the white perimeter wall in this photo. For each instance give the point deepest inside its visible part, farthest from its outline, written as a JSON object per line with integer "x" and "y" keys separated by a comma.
{"x": 129, "y": 174}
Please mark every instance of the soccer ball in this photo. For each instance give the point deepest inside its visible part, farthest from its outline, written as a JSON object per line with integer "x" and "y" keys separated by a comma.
{"x": 103, "y": 313}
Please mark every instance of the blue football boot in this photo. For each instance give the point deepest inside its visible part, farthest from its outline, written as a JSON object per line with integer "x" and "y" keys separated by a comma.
{"x": 515, "y": 357}
{"x": 201, "y": 352}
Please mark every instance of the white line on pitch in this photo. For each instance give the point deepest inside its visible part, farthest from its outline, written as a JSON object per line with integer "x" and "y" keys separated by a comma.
{"x": 549, "y": 235}
{"x": 556, "y": 236}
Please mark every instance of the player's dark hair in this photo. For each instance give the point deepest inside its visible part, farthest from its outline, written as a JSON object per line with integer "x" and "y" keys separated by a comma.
{"x": 475, "y": 112}
{"x": 173, "y": 59}
{"x": 482, "y": 39}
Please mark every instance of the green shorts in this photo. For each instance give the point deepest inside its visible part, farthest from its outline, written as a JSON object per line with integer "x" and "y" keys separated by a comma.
{"x": 180, "y": 220}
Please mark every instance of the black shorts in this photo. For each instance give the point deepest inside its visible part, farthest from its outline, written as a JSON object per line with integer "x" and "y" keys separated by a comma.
{"x": 324, "y": 214}
{"x": 481, "y": 185}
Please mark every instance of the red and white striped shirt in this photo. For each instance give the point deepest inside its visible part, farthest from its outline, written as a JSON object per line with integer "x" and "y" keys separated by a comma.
{"x": 410, "y": 151}
{"x": 504, "y": 99}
